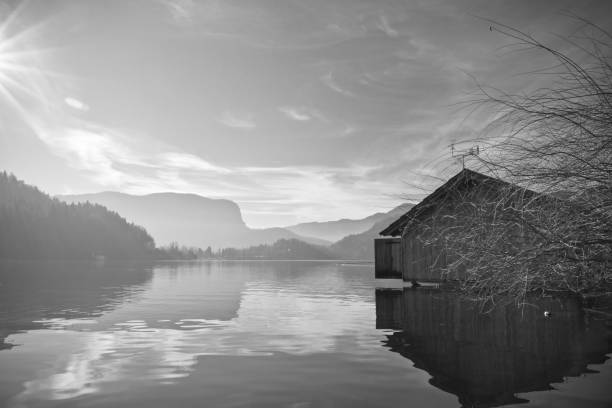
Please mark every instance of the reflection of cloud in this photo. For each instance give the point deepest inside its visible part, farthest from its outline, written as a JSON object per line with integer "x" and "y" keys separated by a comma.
{"x": 316, "y": 313}
{"x": 299, "y": 323}
{"x": 78, "y": 377}
{"x": 232, "y": 120}
{"x": 130, "y": 350}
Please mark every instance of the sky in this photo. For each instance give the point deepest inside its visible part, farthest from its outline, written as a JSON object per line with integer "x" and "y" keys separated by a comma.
{"x": 305, "y": 110}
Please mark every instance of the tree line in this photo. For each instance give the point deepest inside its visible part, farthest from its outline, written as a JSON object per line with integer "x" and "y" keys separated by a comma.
{"x": 35, "y": 226}
{"x": 283, "y": 249}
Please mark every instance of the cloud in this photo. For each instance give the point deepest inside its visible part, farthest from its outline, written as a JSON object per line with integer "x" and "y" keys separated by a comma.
{"x": 329, "y": 81}
{"x": 318, "y": 192}
{"x": 181, "y": 11}
{"x": 76, "y": 104}
{"x": 94, "y": 150}
{"x": 384, "y": 26}
{"x": 232, "y": 120}
{"x": 190, "y": 162}
{"x": 112, "y": 159}
{"x": 295, "y": 113}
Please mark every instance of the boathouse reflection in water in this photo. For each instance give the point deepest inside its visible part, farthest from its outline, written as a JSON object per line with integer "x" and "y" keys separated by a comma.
{"x": 485, "y": 359}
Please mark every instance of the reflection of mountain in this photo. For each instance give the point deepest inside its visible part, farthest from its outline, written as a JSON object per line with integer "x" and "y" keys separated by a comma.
{"x": 185, "y": 295}
{"x": 31, "y": 291}
{"x": 485, "y": 359}
{"x": 188, "y": 219}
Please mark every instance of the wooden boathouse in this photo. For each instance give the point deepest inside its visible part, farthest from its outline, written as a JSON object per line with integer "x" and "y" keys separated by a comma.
{"x": 404, "y": 250}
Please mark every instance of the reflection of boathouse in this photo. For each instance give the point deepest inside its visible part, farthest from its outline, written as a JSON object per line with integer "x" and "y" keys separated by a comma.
{"x": 485, "y": 359}
{"x": 406, "y": 250}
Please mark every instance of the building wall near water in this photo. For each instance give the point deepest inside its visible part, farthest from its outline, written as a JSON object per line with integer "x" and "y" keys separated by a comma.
{"x": 388, "y": 255}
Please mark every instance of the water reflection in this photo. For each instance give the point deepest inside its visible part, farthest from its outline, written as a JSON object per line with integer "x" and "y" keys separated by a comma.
{"x": 97, "y": 332}
{"x": 485, "y": 359}
{"x": 270, "y": 334}
{"x": 35, "y": 295}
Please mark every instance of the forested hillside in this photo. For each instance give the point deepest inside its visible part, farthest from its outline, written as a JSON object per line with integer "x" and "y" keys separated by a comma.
{"x": 35, "y": 226}
{"x": 281, "y": 249}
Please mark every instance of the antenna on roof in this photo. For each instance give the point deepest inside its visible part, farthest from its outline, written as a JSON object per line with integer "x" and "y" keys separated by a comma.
{"x": 462, "y": 154}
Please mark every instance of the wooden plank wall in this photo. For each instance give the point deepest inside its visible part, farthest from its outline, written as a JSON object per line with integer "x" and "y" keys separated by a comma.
{"x": 423, "y": 261}
{"x": 388, "y": 259}
{"x": 420, "y": 261}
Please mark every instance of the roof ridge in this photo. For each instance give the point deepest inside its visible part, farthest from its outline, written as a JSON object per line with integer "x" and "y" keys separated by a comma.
{"x": 395, "y": 228}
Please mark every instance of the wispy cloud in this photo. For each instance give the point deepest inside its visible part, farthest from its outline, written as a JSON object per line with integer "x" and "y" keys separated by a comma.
{"x": 76, "y": 104}
{"x": 181, "y": 11}
{"x": 114, "y": 160}
{"x": 189, "y": 161}
{"x": 385, "y": 26}
{"x": 295, "y": 113}
{"x": 364, "y": 110}
{"x": 236, "y": 121}
{"x": 329, "y": 80}
{"x": 318, "y": 192}
{"x": 93, "y": 150}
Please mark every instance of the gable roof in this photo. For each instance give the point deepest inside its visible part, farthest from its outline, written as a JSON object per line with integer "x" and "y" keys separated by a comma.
{"x": 465, "y": 178}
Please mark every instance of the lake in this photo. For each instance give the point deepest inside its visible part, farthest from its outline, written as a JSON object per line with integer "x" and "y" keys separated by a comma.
{"x": 282, "y": 334}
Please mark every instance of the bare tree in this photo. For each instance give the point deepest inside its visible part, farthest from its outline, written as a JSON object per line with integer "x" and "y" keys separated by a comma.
{"x": 550, "y": 229}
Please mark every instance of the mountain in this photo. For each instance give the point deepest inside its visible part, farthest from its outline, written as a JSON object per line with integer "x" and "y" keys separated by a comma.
{"x": 336, "y": 230}
{"x": 361, "y": 246}
{"x": 356, "y": 246}
{"x": 190, "y": 219}
{"x": 35, "y": 226}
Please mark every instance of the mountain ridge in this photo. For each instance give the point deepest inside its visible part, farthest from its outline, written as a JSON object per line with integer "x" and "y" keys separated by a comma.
{"x": 361, "y": 246}
{"x": 190, "y": 219}
{"x": 339, "y": 229}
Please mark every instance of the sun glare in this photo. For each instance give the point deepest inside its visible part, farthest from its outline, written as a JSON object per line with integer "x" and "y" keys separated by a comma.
{"x": 23, "y": 80}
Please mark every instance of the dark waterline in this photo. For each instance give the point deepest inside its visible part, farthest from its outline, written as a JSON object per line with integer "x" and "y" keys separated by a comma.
{"x": 290, "y": 334}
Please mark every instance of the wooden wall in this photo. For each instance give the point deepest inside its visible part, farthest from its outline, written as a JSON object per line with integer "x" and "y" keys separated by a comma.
{"x": 421, "y": 261}
{"x": 388, "y": 258}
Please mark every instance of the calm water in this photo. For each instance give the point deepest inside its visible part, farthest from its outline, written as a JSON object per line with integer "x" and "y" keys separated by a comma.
{"x": 281, "y": 334}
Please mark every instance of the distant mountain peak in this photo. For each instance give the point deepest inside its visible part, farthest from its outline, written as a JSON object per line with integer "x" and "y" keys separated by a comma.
{"x": 336, "y": 230}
